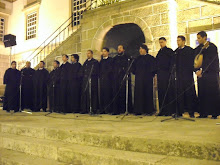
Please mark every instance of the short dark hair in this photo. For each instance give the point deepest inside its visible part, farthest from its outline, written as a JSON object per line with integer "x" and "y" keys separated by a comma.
{"x": 42, "y": 62}
{"x": 122, "y": 46}
{"x": 76, "y": 56}
{"x": 90, "y": 51}
{"x": 107, "y": 49}
{"x": 182, "y": 38}
{"x": 65, "y": 56}
{"x": 58, "y": 63}
{"x": 163, "y": 38}
{"x": 13, "y": 62}
{"x": 202, "y": 34}
{"x": 143, "y": 46}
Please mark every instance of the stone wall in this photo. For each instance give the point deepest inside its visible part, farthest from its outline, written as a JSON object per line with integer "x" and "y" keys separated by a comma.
{"x": 150, "y": 16}
{"x": 4, "y": 64}
{"x": 194, "y": 16}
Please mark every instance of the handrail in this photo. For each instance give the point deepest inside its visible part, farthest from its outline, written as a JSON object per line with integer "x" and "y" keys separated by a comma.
{"x": 49, "y": 43}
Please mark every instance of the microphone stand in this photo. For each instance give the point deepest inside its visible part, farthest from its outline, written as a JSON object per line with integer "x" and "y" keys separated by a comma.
{"x": 176, "y": 116}
{"x": 127, "y": 87}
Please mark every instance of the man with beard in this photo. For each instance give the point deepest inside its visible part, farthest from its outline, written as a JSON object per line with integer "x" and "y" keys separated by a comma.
{"x": 54, "y": 87}
{"x": 40, "y": 80}
{"x": 64, "y": 84}
{"x": 121, "y": 64}
{"x": 144, "y": 69}
{"x": 164, "y": 69}
{"x": 208, "y": 78}
{"x": 90, "y": 73}
{"x": 184, "y": 59}
{"x": 12, "y": 78}
{"x": 106, "y": 81}
{"x": 27, "y": 87}
{"x": 75, "y": 84}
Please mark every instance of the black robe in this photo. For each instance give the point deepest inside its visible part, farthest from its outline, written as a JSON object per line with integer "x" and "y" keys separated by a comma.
{"x": 27, "y": 88}
{"x": 208, "y": 85}
{"x": 164, "y": 67}
{"x": 144, "y": 69}
{"x": 106, "y": 88}
{"x": 186, "y": 93}
{"x": 40, "y": 80}
{"x": 75, "y": 87}
{"x": 121, "y": 64}
{"x": 54, "y": 90}
{"x": 64, "y": 87}
{"x": 12, "y": 91}
{"x": 85, "y": 97}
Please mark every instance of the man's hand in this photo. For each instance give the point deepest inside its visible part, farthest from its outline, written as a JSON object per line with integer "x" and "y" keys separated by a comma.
{"x": 199, "y": 73}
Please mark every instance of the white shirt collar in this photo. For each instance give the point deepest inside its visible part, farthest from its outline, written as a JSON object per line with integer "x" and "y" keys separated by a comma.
{"x": 105, "y": 58}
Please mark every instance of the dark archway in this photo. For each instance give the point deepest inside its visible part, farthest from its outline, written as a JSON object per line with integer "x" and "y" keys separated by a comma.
{"x": 130, "y": 35}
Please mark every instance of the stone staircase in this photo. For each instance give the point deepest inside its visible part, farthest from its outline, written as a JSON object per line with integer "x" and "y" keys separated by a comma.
{"x": 24, "y": 144}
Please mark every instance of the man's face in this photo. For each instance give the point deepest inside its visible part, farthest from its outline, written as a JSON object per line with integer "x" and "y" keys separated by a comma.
{"x": 13, "y": 65}
{"x": 162, "y": 43}
{"x": 64, "y": 58}
{"x": 41, "y": 65}
{"x": 142, "y": 51}
{"x": 180, "y": 42}
{"x": 73, "y": 59}
{"x": 105, "y": 53}
{"x": 55, "y": 65}
{"x": 120, "y": 49}
{"x": 201, "y": 40}
{"x": 89, "y": 55}
{"x": 28, "y": 64}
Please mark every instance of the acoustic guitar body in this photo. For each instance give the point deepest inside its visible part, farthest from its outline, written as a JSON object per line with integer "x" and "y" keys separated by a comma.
{"x": 198, "y": 61}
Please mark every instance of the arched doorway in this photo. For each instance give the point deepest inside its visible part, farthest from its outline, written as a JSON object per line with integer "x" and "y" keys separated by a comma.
{"x": 130, "y": 35}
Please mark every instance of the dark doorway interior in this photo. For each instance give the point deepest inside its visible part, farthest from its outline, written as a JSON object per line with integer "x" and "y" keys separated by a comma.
{"x": 130, "y": 35}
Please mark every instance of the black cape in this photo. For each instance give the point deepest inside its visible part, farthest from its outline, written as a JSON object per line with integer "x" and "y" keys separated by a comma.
{"x": 106, "y": 87}
{"x": 40, "y": 80}
{"x": 144, "y": 69}
{"x": 54, "y": 90}
{"x": 27, "y": 88}
{"x": 186, "y": 93}
{"x": 64, "y": 87}
{"x": 121, "y": 64}
{"x": 75, "y": 87}
{"x": 208, "y": 85}
{"x": 164, "y": 68}
{"x": 12, "y": 91}
{"x": 85, "y": 96}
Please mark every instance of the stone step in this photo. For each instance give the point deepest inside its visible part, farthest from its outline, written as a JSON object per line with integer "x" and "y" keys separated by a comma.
{"x": 9, "y": 157}
{"x": 188, "y": 146}
{"x": 88, "y": 155}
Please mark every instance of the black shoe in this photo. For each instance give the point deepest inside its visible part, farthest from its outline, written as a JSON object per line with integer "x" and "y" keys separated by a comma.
{"x": 214, "y": 117}
{"x": 202, "y": 116}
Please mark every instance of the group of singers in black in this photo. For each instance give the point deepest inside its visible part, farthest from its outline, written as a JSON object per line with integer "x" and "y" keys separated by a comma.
{"x": 105, "y": 87}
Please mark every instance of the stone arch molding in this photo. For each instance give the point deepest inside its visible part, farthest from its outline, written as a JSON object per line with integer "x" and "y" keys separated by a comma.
{"x": 107, "y": 25}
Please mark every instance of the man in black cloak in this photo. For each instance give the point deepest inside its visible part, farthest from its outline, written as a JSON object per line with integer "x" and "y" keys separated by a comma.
{"x": 75, "y": 84}
{"x": 54, "y": 87}
{"x": 89, "y": 96}
{"x": 208, "y": 78}
{"x": 164, "y": 69}
{"x": 64, "y": 85}
{"x": 144, "y": 69}
{"x": 106, "y": 81}
{"x": 12, "y": 78}
{"x": 40, "y": 80}
{"x": 184, "y": 59}
{"x": 121, "y": 64}
{"x": 27, "y": 87}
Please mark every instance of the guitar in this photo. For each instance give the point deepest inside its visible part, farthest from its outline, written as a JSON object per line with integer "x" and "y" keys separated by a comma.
{"x": 199, "y": 57}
